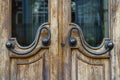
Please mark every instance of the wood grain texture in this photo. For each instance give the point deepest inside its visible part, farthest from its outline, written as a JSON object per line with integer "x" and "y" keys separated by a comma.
{"x": 115, "y": 25}
{"x": 4, "y": 28}
{"x": 54, "y": 40}
{"x": 60, "y": 42}
{"x": 86, "y": 68}
{"x": 66, "y": 50}
{"x": 73, "y": 67}
{"x": 32, "y": 68}
{"x": 57, "y": 62}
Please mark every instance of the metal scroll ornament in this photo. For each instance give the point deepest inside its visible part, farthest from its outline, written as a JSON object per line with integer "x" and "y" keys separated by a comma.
{"x": 10, "y": 44}
{"x": 108, "y": 45}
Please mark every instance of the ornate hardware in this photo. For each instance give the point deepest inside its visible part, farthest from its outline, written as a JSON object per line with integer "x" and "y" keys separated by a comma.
{"x": 11, "y": 43}
{"x": 72, "y": 41}
{"x": 108, "y": 45}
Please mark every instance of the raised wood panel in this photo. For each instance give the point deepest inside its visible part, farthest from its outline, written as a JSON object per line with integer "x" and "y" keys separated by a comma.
{"x": 32, "y": 68}
{"x": 30, "y": 71}
{"x": 86, "y": 68}
{"x": 90, "y": 72}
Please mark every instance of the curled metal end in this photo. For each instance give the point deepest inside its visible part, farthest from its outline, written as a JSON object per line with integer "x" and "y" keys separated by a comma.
{"x": 93, "y": 50}
{"x": 46, "y": 41}
{"x": 10, "y": 44}
{"x": 72, "y": 41}
{"x": 109, "y": 45}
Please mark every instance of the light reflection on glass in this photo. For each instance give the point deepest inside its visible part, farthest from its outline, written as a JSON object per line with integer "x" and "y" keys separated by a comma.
{"x": 92, "y": 17}
{"x": 27, "y": 16}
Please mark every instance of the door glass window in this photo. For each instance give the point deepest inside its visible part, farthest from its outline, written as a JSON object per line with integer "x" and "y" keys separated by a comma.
{"x": 92, "y": 17}
{"x": 27, "y": 16}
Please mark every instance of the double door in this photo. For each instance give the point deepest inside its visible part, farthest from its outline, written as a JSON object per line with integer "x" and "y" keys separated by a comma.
{"x": 61, "y": 49}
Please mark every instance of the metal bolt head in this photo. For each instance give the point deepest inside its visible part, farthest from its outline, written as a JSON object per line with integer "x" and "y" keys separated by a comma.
{"x": 62, "y": 44}
{"x": 45, "y": 41}
{"x": 9, "y": 44}
{"x": 109, "y": 45}
{"x": 72, "y": 41}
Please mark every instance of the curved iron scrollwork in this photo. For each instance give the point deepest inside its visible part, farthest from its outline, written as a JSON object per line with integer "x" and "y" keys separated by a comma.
{"x": 108, "y": 45}
{"x": 12, "y": 42}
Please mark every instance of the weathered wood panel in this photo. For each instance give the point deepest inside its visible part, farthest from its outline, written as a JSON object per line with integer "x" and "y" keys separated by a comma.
{"x": 73, "y": 67}
{"x": 54, "y": 39}
{"x": 31, "y": 68}
{"x": 66, "y": 9}
{"x": 30, "y": 71}
{"x": 115, "y": 25}
{"x": 4, "y": 27}
{"x": 87, "y": 68}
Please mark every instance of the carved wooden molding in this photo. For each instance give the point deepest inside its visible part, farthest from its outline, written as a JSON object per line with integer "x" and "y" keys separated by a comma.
{"x": 20, "y": 51}
{"x": 82, "y": 45}
{"x": 16, "y": 63}
{"x": 77, "y": 56}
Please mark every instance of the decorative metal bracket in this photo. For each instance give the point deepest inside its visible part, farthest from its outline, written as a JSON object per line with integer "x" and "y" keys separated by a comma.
{"x": 93, "y": 50}
{"x": 11, "y": 43}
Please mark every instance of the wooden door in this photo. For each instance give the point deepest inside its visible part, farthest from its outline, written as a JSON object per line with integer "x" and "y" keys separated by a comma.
{"x": 80, "y": 60}
{"x": 39, "y": 60}
{"x": 59, "y": 51}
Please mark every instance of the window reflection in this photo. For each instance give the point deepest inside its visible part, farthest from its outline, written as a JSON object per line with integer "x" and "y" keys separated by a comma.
{"x": 92, "y": 17}
{"x": 27, "y": 16}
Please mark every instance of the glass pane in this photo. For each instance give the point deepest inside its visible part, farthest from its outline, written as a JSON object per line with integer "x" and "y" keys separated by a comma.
{"x": 27, "y": 16}
{"x": 92, "y": 17}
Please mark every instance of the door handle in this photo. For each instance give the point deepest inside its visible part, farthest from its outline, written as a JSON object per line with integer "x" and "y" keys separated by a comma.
{"x": 11, "y": 43}
{"x": 107, "y": 43}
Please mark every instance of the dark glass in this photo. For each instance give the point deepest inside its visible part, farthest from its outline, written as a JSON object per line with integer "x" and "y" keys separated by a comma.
{"x": 27, "y": 16}
{"x": 92, "y": 17}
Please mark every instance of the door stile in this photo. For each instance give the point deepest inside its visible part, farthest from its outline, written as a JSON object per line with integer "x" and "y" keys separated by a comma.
{"x": 53, "y": 50}
{"x": 61, "y": 42}
{"x": 66, "y": 18}
{"x": 115, "y": 29}
{"x": 64, "y": 50}
{"x": 4, "y": 34}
